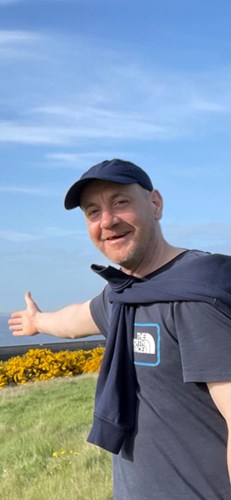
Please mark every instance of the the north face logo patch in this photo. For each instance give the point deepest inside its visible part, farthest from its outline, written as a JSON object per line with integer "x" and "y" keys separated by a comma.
{"x": 146, "y": 344}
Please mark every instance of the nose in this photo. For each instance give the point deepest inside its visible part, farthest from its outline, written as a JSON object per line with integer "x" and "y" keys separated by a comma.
{"x": 108, "y": 219}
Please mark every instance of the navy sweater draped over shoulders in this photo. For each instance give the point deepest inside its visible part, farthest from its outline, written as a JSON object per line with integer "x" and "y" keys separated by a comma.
{"x": 205, "y": 278}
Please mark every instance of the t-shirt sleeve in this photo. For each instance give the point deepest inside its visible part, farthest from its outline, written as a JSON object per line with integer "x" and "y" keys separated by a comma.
{"x": 100, "y": 308}
{"x": 204, "y": 336}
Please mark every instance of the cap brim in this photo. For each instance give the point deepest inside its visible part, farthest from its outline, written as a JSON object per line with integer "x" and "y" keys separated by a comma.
{"x": 72, "y": 198}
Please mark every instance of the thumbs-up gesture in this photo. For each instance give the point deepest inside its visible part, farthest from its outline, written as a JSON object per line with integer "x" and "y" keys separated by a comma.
{"x": 24, "y": 322}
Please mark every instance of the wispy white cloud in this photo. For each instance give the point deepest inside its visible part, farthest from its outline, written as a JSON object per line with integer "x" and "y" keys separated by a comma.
{"x": 73, "y": 92}
{"x": 29, "y": 190}
{"x": 209, "y": 106}
{"x": 14, "y": 132}
{"x": 11, "y": 2}
{"x": 110, "y": 125}
{"x": 57, "y": 232}
{"x": 8, "y": 2}
{"x": 12, "y": 37}
{"x": 212, "y": 237}
{"x": 75, "y": 160}
{"x": 16, "y": 45}
{"x": 46, "y": 233}
{"x": 18, "y": 236}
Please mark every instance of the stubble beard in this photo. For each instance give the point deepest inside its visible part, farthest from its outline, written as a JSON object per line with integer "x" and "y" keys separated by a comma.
{"x": 131, "y": 260}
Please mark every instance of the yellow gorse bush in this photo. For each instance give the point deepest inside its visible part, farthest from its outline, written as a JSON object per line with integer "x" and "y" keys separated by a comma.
{"x": 44, "y": 364}
{"x": 3, "y": 377}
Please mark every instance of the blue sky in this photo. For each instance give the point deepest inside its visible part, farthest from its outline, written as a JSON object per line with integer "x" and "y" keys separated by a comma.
{"x": 87, "y": 80}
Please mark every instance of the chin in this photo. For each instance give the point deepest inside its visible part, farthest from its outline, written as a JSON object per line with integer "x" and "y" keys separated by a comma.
{"x": 127, "y": 262}
{"x": 127, "y": 259}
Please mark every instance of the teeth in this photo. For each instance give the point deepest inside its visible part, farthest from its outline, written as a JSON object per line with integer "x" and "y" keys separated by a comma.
{"x": 115, "y": 237}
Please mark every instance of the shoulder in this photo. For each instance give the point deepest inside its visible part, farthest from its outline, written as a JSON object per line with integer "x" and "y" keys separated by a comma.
{"x": 205, "y": 265}
{"x": 100, "y": 310}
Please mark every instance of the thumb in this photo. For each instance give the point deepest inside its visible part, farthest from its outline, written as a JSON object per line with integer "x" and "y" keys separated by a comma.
{"x": 30, "y": 303}
{"x": 28, "y": 298}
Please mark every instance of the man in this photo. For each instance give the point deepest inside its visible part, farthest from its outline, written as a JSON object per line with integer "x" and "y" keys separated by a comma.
{"x": 163, "y": 399}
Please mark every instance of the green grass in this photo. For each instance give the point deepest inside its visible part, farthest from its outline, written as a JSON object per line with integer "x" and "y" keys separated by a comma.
{"x": 39, "y": 419}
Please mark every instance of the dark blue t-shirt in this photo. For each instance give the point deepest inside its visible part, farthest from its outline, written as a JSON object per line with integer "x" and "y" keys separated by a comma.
{"x": 178, "y": 448}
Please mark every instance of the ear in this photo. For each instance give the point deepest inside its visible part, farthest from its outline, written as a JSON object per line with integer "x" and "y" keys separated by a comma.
{"x": 157, "y": 202}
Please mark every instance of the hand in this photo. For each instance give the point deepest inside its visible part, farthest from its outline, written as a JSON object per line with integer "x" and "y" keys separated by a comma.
{"x": 24, "y": 322}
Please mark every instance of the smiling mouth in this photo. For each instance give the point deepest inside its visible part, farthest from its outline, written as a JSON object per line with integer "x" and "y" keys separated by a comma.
{"x": 116, "y": 237}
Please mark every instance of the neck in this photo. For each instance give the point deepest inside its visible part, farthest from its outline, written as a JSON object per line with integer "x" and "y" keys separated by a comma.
{"x": 162, "y": 254}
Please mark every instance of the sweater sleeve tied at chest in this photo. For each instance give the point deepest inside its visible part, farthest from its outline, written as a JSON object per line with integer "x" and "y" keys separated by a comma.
{"x": 115, "y": 400}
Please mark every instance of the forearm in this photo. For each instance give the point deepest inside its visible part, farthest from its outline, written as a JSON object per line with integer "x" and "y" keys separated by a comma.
{"x": 54, "y": 323}
{"x": 69, "y": 322}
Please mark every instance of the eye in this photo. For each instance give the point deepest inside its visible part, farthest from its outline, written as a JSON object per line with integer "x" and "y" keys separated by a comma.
{"x": 92, "y": 213}
{"x": 121, "y": 201}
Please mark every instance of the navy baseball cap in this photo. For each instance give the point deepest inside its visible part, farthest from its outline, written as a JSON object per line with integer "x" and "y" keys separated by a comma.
{"x": 120, "y": 171}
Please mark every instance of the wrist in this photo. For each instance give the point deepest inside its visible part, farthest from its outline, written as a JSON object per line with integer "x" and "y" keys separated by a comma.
{"x": 37, "y": 322}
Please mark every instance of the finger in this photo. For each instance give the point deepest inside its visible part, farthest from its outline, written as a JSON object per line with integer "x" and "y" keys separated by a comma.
{"x": 16, "y": 328}
{"x": 16, "y": 314}
{"x": 17, "y": 333}
{"x": 15, "y": 320}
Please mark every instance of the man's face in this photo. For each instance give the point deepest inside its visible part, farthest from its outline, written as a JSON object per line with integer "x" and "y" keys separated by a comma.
{"x": 121, "y": 221}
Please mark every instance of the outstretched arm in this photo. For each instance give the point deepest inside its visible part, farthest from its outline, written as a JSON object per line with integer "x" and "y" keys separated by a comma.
{"x": 71, "y": 322}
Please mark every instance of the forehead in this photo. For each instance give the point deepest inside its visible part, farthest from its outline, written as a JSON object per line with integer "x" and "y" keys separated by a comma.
{"x": 97, "y": 189}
